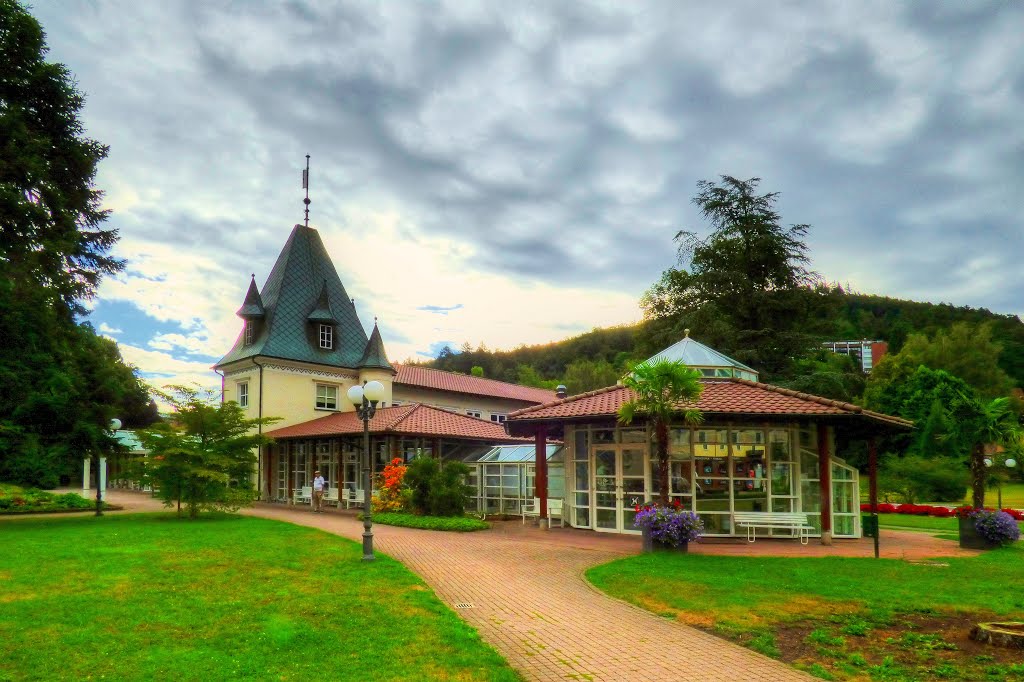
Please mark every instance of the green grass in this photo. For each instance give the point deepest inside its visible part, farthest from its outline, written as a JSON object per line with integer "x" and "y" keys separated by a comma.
{"x": 460, "y": 524}
{"x": 147, "y": 596}
{"x": 926, "y": 523}
{"x": 17, "y": 500}
{"x": 833, "y": 616}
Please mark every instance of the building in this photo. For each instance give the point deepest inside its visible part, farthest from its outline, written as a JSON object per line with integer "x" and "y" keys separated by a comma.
{"x": 759, "y": 448}
{"x": 300, "y": 348}
{"x": 865, "y": 353}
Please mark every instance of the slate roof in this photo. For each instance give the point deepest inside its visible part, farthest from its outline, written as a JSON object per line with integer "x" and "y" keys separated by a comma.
{"x": 425, "y": 377}
{"x": 291, "y": 293}
{"x": 322, "y": 311}
{"x": 374, "y": 356}
{"x": 405, "y": 420}
{"x": 720, "y": 397}
{"x": 252, "y": 307}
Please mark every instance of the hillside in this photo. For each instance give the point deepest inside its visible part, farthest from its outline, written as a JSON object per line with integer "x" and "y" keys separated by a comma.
{"x": 857, "y": 316}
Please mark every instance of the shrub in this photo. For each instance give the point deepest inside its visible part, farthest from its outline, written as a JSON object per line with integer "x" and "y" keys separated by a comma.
{"x": 392, "y": 495}
{"x": 438, "y": 490}
{"x": 922, "y": 478}
{"x": 450, "y": 523}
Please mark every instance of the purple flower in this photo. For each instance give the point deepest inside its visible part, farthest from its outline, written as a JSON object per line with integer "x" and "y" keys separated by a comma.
{"x": 669, "y": 525}
{"x": 999, "y": 528}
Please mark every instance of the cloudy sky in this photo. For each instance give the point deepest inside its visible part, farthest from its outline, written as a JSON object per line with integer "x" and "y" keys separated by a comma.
{"x": 513, "y": 172}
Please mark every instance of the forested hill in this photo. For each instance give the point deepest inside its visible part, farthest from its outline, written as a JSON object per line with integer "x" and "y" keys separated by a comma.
{"x": 603, "y": 353}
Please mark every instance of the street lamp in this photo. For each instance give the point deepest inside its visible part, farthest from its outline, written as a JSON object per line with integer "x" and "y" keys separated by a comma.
{"x": 365, "y": 398}
{"x": 1009, "y": 463}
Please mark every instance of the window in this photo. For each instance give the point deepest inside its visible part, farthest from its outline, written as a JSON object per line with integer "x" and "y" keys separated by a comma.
{"x": 249, "y": 332}
{"x": 473, "y": 413}
{"x": 326, "y": 336}
{"x": 326, "y": 397}
{"x": 243, "y": 394}
{"x": 500, "y": 418}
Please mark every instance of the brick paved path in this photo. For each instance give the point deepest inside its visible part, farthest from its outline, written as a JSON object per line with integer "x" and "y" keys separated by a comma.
{"x": 530, "y": 601}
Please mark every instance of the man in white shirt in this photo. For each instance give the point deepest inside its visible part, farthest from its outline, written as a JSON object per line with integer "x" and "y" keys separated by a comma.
{"x": 318, "y": 493}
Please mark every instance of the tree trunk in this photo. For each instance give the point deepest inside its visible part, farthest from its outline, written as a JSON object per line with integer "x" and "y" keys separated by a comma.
{"x": 661, "y": 443}
{"x": 978, "y": 475}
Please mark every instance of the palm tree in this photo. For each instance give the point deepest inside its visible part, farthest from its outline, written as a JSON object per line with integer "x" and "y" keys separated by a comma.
{"x": 995, "y": 423}
{"x": 661, "y": 391}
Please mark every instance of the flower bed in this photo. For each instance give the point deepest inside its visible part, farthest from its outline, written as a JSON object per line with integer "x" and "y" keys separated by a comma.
{"x": 931, "y": 510}
{"x": 15, "y": 500}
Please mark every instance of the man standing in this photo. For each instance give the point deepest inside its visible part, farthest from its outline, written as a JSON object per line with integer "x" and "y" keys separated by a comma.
{"x": 318, "y": 493}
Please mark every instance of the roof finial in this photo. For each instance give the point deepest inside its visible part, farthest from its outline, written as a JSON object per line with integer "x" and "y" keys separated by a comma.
{"x": 374, "y": 320}
{"x": 305, "y": 186}
{"x": 686, "y": 333}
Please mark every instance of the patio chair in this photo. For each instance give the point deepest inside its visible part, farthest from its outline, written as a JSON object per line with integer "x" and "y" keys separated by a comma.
{"x": 303, "y": 495}
{"x": 554, "y": 510}
{"x": 331, "y": 497}
{"x": 355, "y": 497}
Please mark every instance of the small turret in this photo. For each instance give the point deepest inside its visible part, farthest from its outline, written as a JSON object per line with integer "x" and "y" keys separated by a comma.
{"x": 252, "y": 307}
{"x": 375, "y": 357}
{"x": 322, "y": 312}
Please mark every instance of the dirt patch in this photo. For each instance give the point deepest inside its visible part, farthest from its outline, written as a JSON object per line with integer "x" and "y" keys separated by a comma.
{"x": 912, "y": 646}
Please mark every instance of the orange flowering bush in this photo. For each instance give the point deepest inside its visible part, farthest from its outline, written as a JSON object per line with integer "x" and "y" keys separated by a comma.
{"x": 392, "y": 493}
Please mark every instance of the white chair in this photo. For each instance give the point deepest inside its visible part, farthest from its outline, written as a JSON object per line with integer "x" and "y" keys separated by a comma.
{"x": 331, "y": 497}
{"x": 554, "y": 510}
{"x": 303, "y": 495}
{"x": 355, "y": 497}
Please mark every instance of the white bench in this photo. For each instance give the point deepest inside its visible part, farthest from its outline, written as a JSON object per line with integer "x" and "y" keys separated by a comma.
{"x": 793, "y": 521}
{"x": 554, "y": 509}
{"x": 354, "y": 497}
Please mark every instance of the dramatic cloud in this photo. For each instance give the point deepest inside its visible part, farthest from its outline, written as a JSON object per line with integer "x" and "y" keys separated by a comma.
{"x": 514, "y": 172}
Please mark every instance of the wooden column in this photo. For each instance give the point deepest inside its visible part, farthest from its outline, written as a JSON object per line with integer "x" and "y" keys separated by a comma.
{"x": 873, "y": 483}
{"x": 825, "y": 474}
{"x": 540, "y": 481}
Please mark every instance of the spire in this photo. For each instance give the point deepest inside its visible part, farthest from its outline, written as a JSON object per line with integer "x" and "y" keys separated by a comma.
{"x": 322, "y": 311}
{"x": 305, "y": 186}
{"x": 252, "y": 307}
{"x": 375, "y": 356}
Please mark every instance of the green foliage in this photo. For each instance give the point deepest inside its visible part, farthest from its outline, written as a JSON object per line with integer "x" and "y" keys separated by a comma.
{"x": 662, "y": 390}
{"x": 584, "y": 375}
{"x": 203, "y": 458}
{"x": 231, "y": 598}
{"x": 459, "y": 524}
{"x": 17, "y": 500}
{"x": 438, "y": 489}
{"x": 61, "y": 382}
{"x": 965, "y": 351}
{"x": 477, "y": 371}
{"x": 915, "y": 479}
{"x": 528, "y": 376}
{"x": 829, "y": 375}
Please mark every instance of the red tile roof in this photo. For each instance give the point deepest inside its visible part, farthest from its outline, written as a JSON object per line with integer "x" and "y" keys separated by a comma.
{"x": 720, "y": 396}
{"x": 412, "y": 420}
{"x": 437, "y": 379}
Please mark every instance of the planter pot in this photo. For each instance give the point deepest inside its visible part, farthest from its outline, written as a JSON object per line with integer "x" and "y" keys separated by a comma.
{"x": 969, "y": 537}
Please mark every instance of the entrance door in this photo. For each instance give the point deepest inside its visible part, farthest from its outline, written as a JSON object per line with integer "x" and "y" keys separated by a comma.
{"x": 620, "y": 484}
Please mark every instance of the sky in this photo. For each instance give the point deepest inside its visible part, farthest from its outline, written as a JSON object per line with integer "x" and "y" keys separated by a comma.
{"x": 510, "y": 173}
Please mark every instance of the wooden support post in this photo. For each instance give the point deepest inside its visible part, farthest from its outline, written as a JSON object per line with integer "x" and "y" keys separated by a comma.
{"x": 873, "y": 489}
{"x": 541, "y": 472}
{"x": 825, "y": 475}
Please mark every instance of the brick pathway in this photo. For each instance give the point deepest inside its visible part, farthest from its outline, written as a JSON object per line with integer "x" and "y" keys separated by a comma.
{"x": 528, "y": 597}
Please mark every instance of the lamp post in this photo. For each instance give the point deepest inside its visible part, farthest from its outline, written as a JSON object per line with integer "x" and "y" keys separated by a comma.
{"x": 1009, "y": 463}
{"x": 365, "y": 398}
{"x": 101, "y": 471}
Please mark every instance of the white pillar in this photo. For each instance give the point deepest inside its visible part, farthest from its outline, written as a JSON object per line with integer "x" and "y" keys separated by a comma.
{"x": 103, "y": 478}
{"x": 85, "y": 476}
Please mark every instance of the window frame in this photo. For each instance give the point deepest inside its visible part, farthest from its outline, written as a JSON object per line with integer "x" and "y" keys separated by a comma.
{"x": 327, "y": 337}
{"x": 498, "y": 418}
{"x": 248, "y": 333}
{"x": 326, "y": 398}
{"x": 242, "y": 390}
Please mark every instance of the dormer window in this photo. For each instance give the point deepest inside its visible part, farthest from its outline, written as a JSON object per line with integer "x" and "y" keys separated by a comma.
{"x": 249, "y": 332}
{"x": 326, "y": 336}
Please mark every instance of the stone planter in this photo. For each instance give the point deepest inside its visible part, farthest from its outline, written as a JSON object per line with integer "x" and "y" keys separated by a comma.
{"x": 969, "y": 537}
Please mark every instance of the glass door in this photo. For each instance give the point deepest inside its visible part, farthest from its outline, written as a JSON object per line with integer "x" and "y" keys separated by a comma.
{"x": 620, "y": 484}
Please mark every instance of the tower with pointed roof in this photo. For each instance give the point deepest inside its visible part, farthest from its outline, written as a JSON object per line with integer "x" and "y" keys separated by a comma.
{"x": 301, "y": 346}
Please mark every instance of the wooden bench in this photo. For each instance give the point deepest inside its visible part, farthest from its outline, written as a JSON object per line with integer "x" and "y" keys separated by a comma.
{"x": 792, "y": 521}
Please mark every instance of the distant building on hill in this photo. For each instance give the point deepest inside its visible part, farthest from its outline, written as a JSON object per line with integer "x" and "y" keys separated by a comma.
{"x": 865, "y": 353}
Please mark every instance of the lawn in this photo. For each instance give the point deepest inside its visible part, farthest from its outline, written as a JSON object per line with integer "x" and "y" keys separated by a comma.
{"x": 839, "y": 618}
{"x": 147, "y": 596}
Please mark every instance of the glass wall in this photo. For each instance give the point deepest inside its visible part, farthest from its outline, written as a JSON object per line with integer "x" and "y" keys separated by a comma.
{"x": 580, "y": 500}
{"x": 810, "y": 477}
{"x": 845, "y": 500}
{"x": 505, "y": 477}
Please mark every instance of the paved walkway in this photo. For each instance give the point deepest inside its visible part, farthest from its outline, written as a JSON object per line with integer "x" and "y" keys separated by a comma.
{"x": 523, "y": 589}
